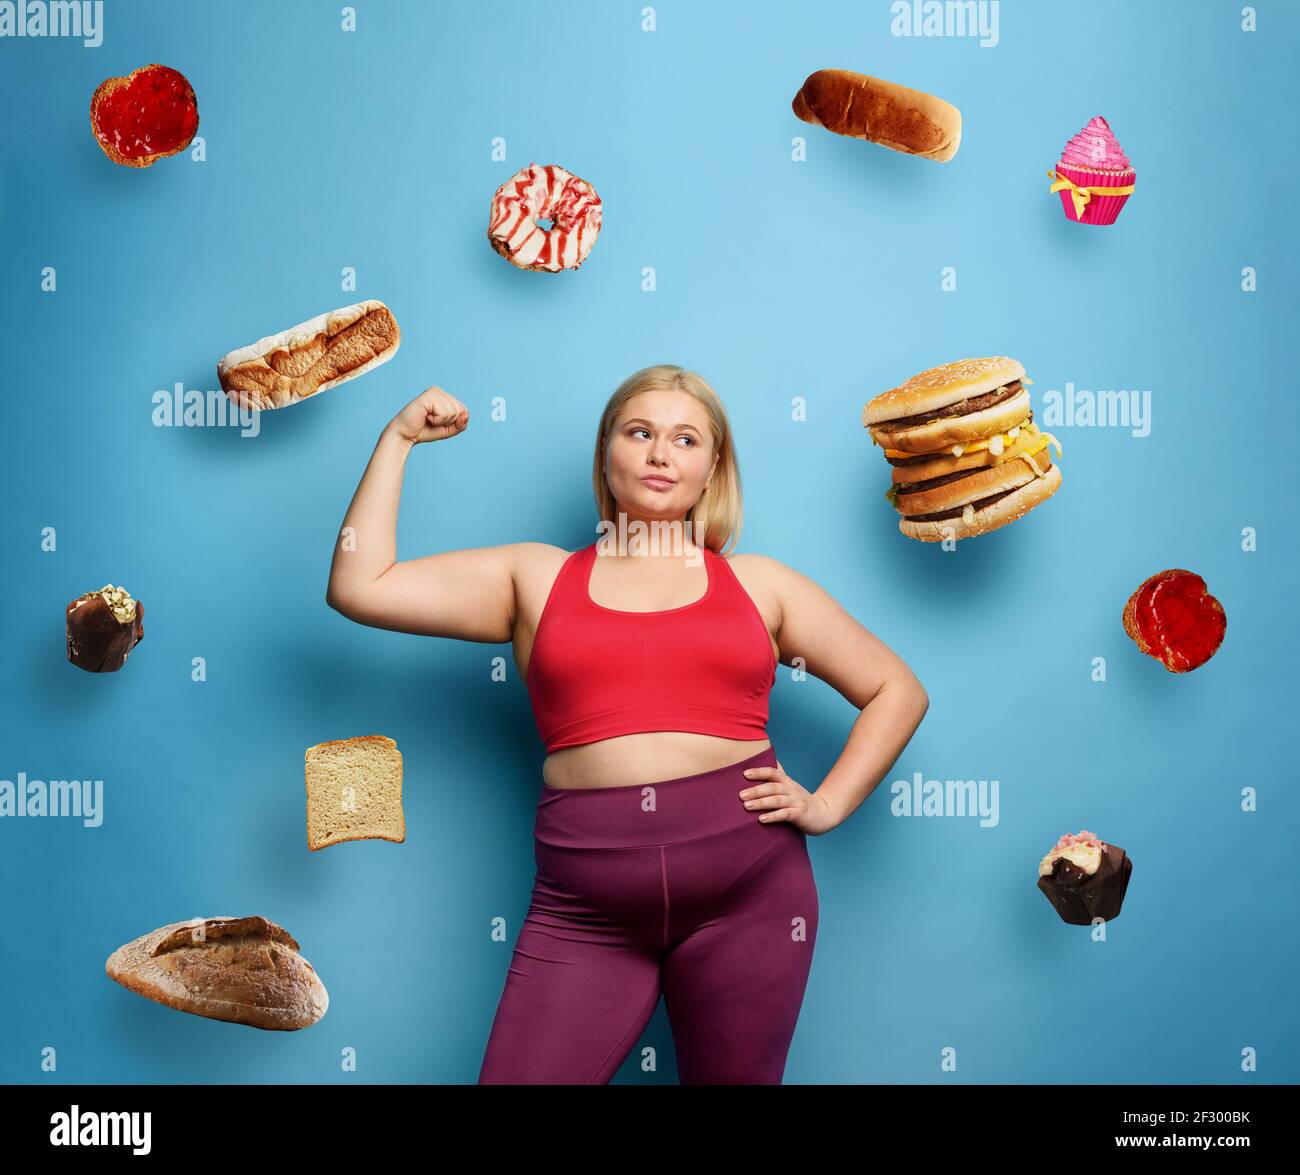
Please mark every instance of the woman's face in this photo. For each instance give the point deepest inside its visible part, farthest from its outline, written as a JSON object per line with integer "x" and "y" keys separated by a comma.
{"x": 660, "y": 455}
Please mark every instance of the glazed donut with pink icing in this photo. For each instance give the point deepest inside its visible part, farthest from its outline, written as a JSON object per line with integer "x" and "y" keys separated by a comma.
{"x": 536, "y": 194}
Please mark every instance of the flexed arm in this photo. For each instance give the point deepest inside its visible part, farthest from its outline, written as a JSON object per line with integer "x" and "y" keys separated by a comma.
{"x": 465, "y": 594}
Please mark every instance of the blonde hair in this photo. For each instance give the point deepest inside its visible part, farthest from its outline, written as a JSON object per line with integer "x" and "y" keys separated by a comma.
{"x": 718, "y": 510}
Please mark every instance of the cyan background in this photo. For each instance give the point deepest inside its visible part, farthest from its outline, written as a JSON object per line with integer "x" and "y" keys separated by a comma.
{"x": 776, "y": 279}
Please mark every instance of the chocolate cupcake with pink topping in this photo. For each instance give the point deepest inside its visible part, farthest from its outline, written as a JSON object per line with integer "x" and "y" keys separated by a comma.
{"x": 1085, "y": 878}
{"x": 1094, "y": 176}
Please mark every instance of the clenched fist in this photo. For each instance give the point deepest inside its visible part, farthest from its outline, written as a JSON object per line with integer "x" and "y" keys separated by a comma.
{"x": 432, "y": 416}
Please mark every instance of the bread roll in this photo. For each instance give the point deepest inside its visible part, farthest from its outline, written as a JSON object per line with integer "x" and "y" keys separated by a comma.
{"x": 320, "y": 353}
{"x": 881, "y": 112}
{"x": 244, "y": 970}
{"x": 354, "y": 791}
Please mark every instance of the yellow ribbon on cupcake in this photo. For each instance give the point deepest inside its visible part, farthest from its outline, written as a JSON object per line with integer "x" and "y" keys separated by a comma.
{"x": 1081, "y": 194}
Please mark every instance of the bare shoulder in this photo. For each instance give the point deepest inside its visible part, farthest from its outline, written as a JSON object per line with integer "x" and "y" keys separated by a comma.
{"x": 529, "y": 560}
{"x": 765, "y": 572}
{"x": 779, "y": 584}
{"x": 740, "y": 559}
{"x": 534, "y": 568}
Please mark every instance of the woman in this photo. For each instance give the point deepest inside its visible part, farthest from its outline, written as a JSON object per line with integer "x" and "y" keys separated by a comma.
{"x": 670, "y": 843}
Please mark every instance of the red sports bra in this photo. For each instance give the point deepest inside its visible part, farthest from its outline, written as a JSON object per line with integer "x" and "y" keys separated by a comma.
{"x": 598, "y": 672}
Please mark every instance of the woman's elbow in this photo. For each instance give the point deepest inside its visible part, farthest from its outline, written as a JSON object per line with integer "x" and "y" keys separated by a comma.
{"x": 920, "y": 699}
{"x": 341, "y": 601}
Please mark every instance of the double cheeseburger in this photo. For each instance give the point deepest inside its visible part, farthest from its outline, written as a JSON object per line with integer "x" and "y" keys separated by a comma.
{"x": 965, "y": 452}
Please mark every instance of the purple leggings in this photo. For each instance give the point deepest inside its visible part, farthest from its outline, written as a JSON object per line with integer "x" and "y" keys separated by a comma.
{"x": 672, "y": 888}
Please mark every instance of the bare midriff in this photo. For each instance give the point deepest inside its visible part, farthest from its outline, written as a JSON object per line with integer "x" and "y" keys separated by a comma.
{"x": 633, "y": 760}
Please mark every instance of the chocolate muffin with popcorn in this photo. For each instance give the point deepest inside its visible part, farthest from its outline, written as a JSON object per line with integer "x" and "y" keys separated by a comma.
{"x": 102, "y": 629}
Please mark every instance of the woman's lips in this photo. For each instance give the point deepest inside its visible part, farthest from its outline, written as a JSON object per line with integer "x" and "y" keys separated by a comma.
{"x": 658, "y": 483}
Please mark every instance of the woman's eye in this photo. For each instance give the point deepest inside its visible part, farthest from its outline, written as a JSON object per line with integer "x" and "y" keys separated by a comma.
{"x": 684, "y": 437}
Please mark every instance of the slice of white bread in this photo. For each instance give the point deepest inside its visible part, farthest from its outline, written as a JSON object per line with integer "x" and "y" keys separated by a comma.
{"x": 354, "y": 791}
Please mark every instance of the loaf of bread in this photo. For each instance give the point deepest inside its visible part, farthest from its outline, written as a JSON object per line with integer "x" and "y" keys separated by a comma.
{"x": 245, "y": 970}
{"x": 354, "y": 791}
{"x": 881, "y": 112}
{"x": 320, "y": 353}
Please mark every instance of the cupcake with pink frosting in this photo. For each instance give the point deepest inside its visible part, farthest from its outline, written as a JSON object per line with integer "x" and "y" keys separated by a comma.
{"x": 1085, "y": 878}
{"x": 1094, "y": 176}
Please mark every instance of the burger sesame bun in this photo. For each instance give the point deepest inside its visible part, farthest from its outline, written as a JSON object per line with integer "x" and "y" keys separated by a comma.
{"x": 1015, "y": 505}
{"x": 951, "y": 430}
{"x": 942, "y": 386}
